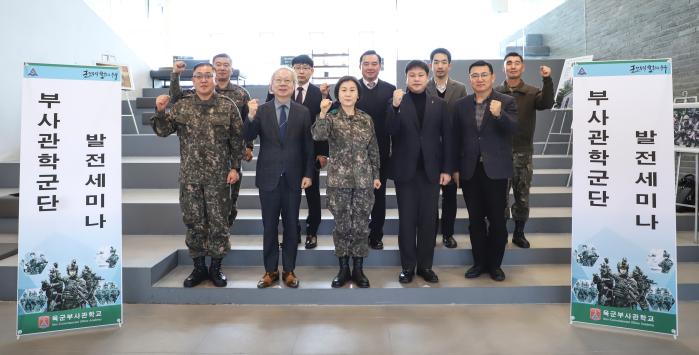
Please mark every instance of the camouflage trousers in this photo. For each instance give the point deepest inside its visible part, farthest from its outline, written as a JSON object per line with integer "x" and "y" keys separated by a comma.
{"x": 351, "y": 209}
{"x": 235, "y": 191}
{"x": 520, "y": 183}
{"x": 205, "y": 212}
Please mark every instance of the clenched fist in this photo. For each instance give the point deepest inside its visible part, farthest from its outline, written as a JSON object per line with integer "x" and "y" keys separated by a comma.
{"x": 179, "y": 67}
{"x": 324, "y": 89}
{"x": 252, "y": 108}
{"x": 324, "y": 107}
{"x": 161, "y": 102}
{"x": 545, "y": 71}
{"x": 397, "y": 97}
{"x": 495, "y": 107}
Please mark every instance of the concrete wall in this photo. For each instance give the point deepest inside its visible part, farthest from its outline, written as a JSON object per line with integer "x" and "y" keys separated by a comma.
{"x": 616, "y": 29}
{"x": 46, "y": 31}
{"x": 647, "y": 29}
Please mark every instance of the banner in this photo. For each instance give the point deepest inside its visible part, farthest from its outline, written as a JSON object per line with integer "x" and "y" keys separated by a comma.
{"x": 69, "y": 272}
{"x": 624, "y": 250}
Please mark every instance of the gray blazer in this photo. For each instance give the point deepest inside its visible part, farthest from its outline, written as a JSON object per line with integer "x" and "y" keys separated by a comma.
{"x": 455, "y": 91}
{"x": 293, "y": 157}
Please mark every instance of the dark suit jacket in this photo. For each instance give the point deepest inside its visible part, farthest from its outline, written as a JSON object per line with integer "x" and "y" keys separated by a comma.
{"x": 312, "y": 103}
{"x": 294, "y": 156}
{"x": 433, "y": 139}
{"x": 493, "y": 142}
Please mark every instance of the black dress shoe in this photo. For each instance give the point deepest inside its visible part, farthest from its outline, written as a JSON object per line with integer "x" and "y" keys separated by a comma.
{"x": 428, "y": 275}
{"x": 376, "y": 244}
{"x": 497, "y": 274}
{"x": 449, "y": 241}
{"x": 474, "y": 271}
{"x": 520, "y": 241}
{"x": 406, "y": 276}
{"x": 311, "y": 241}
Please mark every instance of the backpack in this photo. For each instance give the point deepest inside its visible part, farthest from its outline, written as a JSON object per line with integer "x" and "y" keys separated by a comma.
{"x": 685, "y": 193}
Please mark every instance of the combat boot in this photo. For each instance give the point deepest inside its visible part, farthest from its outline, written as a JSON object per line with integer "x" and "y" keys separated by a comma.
{"x": 358, "y": 274}
{"x": 215, "y": 274}
{"x": 199, "y": 273}
{"x": 518, "y": 235}
{"x": 344, "y": 275}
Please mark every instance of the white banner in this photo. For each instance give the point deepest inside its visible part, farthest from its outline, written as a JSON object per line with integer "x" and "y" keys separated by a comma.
{"x": 69, "y": 273}
{"x": 624, "y": 246}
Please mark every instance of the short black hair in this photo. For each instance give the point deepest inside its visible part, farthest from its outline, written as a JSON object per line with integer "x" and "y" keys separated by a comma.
{"x": 417, "y": 64}
{"x": 442, "y": 51}
{"x": 513, "y": 54}
{"x": 345, "y": 79}
{"x": 369, "y": 52}
{"x": 221, "y": 55}
{"x": 480, "y": 63}
{"x": 202, "y": 64}
{"x": 302, "y": 59}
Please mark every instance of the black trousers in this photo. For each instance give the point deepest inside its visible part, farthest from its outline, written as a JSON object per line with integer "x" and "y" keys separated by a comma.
{"x": 378, "y": 212}
{"x": 284, "y": 201}
{"x": 418, "y": 200}
{"x": 448, "y": 208}
{"x": 483, "y": 197}
{"x": 313, "y": 201}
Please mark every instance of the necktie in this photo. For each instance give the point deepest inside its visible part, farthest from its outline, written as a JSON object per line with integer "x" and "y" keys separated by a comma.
{"x": 371, "y": 84}
{"x": 282, "y": 123}
{"x": 299, "y": 95}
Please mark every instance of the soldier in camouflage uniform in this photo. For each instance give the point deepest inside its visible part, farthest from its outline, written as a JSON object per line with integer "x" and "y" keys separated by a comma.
{"x": 353, "y": 174}
{"x": 529, "y": 100}
{"x": 75, "y": 292}
{"x": 223, "y": 68}
{"x": 625, "y": 287}
{"x": 209, "y": 127}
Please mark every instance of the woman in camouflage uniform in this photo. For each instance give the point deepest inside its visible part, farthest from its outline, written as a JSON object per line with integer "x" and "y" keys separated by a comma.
{"x": 353, "y": 173}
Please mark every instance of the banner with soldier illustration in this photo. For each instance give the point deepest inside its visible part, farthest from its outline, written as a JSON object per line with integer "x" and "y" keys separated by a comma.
{"x": 69, "y": 258}
{"x": 624, "y": 251}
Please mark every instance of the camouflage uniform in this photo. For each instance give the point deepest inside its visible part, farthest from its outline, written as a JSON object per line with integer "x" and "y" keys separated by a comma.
{"x": 241, "y": 97}
{"x": 210, "y": 146}
{"x": 352, "y": 169}
{"x": 520, "y": 183}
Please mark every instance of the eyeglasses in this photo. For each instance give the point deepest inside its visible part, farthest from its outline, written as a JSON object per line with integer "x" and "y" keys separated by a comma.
{"x": 200, "y": 76}
{"x": 283, "y": 81}
{"x": 302, "y": 67}
{"x": 475, "y": 76}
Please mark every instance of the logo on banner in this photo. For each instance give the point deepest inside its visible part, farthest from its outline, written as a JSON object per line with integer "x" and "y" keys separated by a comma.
{"x": 33, "y": 72}
{"x": 582, "y": 71}
{"x": 595, "y": 314}
{"x": 43, "y": 322}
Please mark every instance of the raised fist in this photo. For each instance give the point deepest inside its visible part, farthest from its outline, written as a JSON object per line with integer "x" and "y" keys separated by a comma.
{"x": 545, "y": 71}
{"x": 324, "y": 107}
{"x": 161, "y": 102}
{"x": 495, "y": 107}
{"x": 397, "y": 97}
{"x": 179, "y": 67}
{"x": 252, "y": 108}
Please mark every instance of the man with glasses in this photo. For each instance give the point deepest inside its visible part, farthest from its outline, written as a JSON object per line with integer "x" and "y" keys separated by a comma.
{"x": 310, "y": 96}
{"x": 209, "y": 128}
{"x": 529, "y": 100}
{"x": 284, "y": 167}
{"x": 224, "y": 86}
{"x": 451, "y": 91}
{"x": 484, "y": 123}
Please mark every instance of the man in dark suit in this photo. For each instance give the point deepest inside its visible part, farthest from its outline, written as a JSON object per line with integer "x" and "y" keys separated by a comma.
{"x": 421, "y": 161}
{"x": 451, "y": 91}
{"x": 284, "y": 167}
{"x": 374, "y": 97}
{"x": 310, "y": 96}
{"x": 484, "y": 123}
